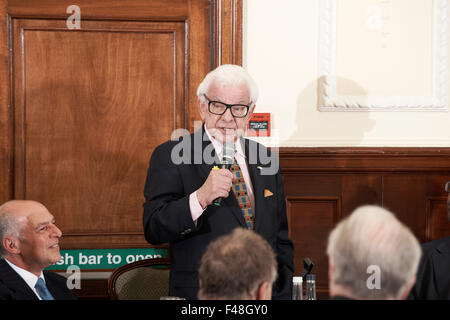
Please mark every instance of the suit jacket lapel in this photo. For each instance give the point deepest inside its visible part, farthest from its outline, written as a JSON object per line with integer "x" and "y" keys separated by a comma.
{"x": 54, "y": 287}
{"x": 15, "y": 283}
{"x": 206, "y": 149}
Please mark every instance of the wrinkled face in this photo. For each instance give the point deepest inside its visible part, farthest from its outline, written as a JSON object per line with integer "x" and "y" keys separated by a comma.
{"x": 39, "y": 247}
{"x": 225, "y": 127}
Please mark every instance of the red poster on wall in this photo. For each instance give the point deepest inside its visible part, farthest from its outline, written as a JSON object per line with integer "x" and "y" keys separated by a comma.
{"x": 259, "y": 125}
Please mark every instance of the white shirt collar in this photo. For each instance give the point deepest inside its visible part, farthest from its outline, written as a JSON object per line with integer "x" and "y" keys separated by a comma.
{"x": 218, "y": 146}
{"x": 27, "y": 276}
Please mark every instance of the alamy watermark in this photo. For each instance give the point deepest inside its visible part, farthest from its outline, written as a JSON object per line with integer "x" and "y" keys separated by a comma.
{"x": 73, "y": 277}
{"x": 374, "y": 280}
{"x": 74, "y": 20}
{"x": 189, "y": 150}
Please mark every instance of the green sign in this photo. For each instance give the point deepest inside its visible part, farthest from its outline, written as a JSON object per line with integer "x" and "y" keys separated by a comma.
{"x": 101, "y": 259}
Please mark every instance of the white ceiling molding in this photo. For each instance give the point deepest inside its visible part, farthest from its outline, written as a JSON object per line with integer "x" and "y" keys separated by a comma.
{"x": 329, "y": 100}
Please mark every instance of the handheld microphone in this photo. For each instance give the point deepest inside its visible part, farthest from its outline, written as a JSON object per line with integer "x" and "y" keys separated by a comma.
{"x": 226, "y": 163}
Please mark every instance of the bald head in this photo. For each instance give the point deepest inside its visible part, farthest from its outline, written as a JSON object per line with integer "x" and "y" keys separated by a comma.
{"x": 20, "y": 207}
{"x": 29, "y": 236}
{"x": 14, "y": 215}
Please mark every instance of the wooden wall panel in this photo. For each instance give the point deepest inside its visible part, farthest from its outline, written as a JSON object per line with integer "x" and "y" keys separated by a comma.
{"x": 310, "y": 221}
{"x": 324, "y": 185}
{"x": 302, "y": 184}
{"x": 6, "y": 141}
{"x": 359, "y": 189}
{"x": 437, "y": 224}
{"x": 85, "y": 104}
{"x": 405, "y": 194}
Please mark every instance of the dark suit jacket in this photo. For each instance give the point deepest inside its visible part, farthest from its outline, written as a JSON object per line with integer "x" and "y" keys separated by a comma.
{"x": 433, "y": 276}
{"x": 167, "y": 216}
{"x": 13, "y": 287}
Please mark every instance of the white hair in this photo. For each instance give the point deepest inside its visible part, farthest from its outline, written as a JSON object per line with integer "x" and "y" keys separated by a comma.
{"x": 229, "y": 74}
{"x": 373, "y": 236}
{"x": 9, "y": 226}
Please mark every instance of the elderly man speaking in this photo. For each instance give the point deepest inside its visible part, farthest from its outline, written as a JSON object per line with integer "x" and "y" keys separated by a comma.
{"x": 192, "y": 198}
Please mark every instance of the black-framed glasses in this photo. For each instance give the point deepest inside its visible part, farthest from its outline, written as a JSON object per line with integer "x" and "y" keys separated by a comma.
{"x": 219, "y": 108}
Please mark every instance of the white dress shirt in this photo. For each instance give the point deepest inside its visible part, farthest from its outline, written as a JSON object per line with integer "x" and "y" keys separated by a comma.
{"x": 196, "y": 208}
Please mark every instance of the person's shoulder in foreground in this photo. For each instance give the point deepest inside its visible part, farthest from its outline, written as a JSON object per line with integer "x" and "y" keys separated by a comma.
{"x": 433, "y": 276}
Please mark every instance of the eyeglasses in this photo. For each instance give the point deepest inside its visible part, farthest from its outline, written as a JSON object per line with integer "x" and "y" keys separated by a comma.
{"x": 219, "y": 108}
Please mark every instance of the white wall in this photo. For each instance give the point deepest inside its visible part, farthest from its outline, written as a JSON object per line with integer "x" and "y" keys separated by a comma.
{"x": 281, "y": 51}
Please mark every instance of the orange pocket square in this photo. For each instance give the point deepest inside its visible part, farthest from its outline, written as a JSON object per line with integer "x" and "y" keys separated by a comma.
{"x": 267, "y": 193}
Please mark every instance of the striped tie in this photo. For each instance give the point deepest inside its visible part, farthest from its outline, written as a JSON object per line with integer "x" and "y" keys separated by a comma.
{"x": 240, "y": 192}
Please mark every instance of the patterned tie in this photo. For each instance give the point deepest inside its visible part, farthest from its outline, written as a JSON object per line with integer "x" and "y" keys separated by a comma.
{"x": 240, "y": 192}
{"x": 42, "y": 290}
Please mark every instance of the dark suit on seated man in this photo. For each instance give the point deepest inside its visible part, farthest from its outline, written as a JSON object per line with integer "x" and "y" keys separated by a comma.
{"x": 185, "y": 178}
{"x": 29, "y": 244}
{"x": 433, "y": 277}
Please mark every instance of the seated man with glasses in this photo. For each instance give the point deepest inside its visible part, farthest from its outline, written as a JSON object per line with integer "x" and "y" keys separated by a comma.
{"x": 187, "y": 177}
{"x": 433, "y": 276}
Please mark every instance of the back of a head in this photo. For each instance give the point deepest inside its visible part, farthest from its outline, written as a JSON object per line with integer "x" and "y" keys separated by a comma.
{"x": 235, "y": 265}
{"x": 372, "y": 239}
{"x": 229, "y": 74}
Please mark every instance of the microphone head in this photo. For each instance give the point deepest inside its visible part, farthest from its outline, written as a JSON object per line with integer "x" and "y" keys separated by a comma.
{"x": 228, "y": 153}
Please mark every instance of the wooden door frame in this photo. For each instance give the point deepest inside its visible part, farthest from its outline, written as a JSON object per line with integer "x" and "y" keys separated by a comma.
{"x": 227, "y": 46}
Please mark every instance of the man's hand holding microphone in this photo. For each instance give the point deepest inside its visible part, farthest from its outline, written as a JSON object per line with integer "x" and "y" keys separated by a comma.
{"x": 218, "y": 184}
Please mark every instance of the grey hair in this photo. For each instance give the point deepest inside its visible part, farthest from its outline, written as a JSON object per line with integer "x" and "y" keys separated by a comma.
{"x": 9, "y": 225}
{"x": 235, "y": 265}
{"x": 229, "y": 74}
{"x": 373, "y": 236}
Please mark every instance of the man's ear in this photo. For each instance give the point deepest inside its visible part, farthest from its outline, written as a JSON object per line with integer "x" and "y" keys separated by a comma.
{"x": 11, "y": 244}
{"x": 250, "y": 111}
{"x": 408, "y": 289}
{"x": 330, "y": 268}
{"x": 264, "y": 291}
{"x": 331, "y": 275}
